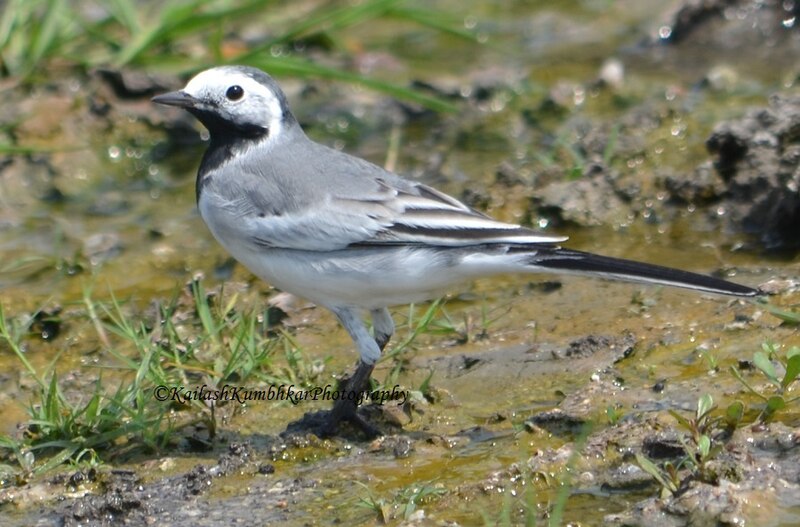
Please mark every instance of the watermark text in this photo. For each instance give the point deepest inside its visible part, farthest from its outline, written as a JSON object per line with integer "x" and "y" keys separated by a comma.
{"x": 283, "y": 392}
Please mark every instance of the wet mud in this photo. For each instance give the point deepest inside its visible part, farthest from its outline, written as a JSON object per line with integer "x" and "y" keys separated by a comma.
{"x": 575, "y": 381}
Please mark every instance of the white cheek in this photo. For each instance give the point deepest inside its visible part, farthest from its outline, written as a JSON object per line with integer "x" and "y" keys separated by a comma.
{"x": 275, "y": 127}
{"x": 275, "y": 116}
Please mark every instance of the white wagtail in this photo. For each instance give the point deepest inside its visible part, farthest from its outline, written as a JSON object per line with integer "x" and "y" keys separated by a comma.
{"x": 347, "y": 234}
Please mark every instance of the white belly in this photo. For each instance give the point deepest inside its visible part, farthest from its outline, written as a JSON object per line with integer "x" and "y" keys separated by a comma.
{"x": 365, "y": 279}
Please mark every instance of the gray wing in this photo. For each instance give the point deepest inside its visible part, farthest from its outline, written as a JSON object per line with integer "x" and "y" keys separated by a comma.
{"x": 338, "y": 201}
{"x": 425, "y": 216}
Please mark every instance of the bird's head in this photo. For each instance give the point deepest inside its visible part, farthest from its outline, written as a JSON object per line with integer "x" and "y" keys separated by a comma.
{"x": 234, "y": 101}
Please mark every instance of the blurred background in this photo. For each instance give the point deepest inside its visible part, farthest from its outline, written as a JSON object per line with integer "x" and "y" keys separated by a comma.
{"x": 659, "y": 131}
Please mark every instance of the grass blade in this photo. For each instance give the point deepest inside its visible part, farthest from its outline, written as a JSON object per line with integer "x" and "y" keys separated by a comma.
{"x": 306, "y": 69}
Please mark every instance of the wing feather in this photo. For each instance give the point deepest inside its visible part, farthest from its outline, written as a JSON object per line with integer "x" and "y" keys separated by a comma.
{"x": 349, "y": 201}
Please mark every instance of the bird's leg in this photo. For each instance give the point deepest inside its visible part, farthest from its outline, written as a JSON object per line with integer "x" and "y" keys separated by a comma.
{"x": 382, "y": 326}
{"x": 369, "y": 349}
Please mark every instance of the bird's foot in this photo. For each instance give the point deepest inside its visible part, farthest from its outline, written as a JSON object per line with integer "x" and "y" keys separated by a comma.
{"x": 346, "y": 408}
{"x": 333, "y": 421}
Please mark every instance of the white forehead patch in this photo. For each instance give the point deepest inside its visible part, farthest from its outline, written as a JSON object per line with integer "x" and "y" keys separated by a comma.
{"x": 216, "y": 81}
{"x": 259, "y": 104}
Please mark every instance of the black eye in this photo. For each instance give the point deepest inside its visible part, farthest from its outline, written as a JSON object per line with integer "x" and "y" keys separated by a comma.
{"x": 234, "y": 93}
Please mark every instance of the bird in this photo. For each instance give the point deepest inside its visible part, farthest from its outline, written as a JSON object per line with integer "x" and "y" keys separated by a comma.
{"x": 351, "y": 236}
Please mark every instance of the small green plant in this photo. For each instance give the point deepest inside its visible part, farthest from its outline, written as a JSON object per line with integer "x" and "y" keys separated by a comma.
{"x": 702, "y": 447}
{"x": 668, "y": 478}
{"x": 380, "y": 506}
{"x": 614, "y": 414}
{"x": 710, "y": 359}
{"x": 413, "y": 496}
{"x": 764, "y": 362}
{"x": 405, "y": 502}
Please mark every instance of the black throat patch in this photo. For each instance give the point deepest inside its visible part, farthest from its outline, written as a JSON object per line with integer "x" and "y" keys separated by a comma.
{"x": 226, "y": 139}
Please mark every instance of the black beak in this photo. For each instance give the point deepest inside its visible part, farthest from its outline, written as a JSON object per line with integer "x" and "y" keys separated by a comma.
{"x": 176, "y": 98}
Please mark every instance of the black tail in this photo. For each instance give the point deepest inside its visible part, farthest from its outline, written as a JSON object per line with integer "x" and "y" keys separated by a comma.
{"x": 568, "y": 260}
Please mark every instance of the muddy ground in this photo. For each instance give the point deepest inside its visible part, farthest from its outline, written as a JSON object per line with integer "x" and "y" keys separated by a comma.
{"x": 599, "y": 348}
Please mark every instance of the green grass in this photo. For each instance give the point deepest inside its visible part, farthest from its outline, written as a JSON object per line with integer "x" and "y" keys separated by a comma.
{"x": 38, "y": 35}
{"x": 191, "y": 341}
